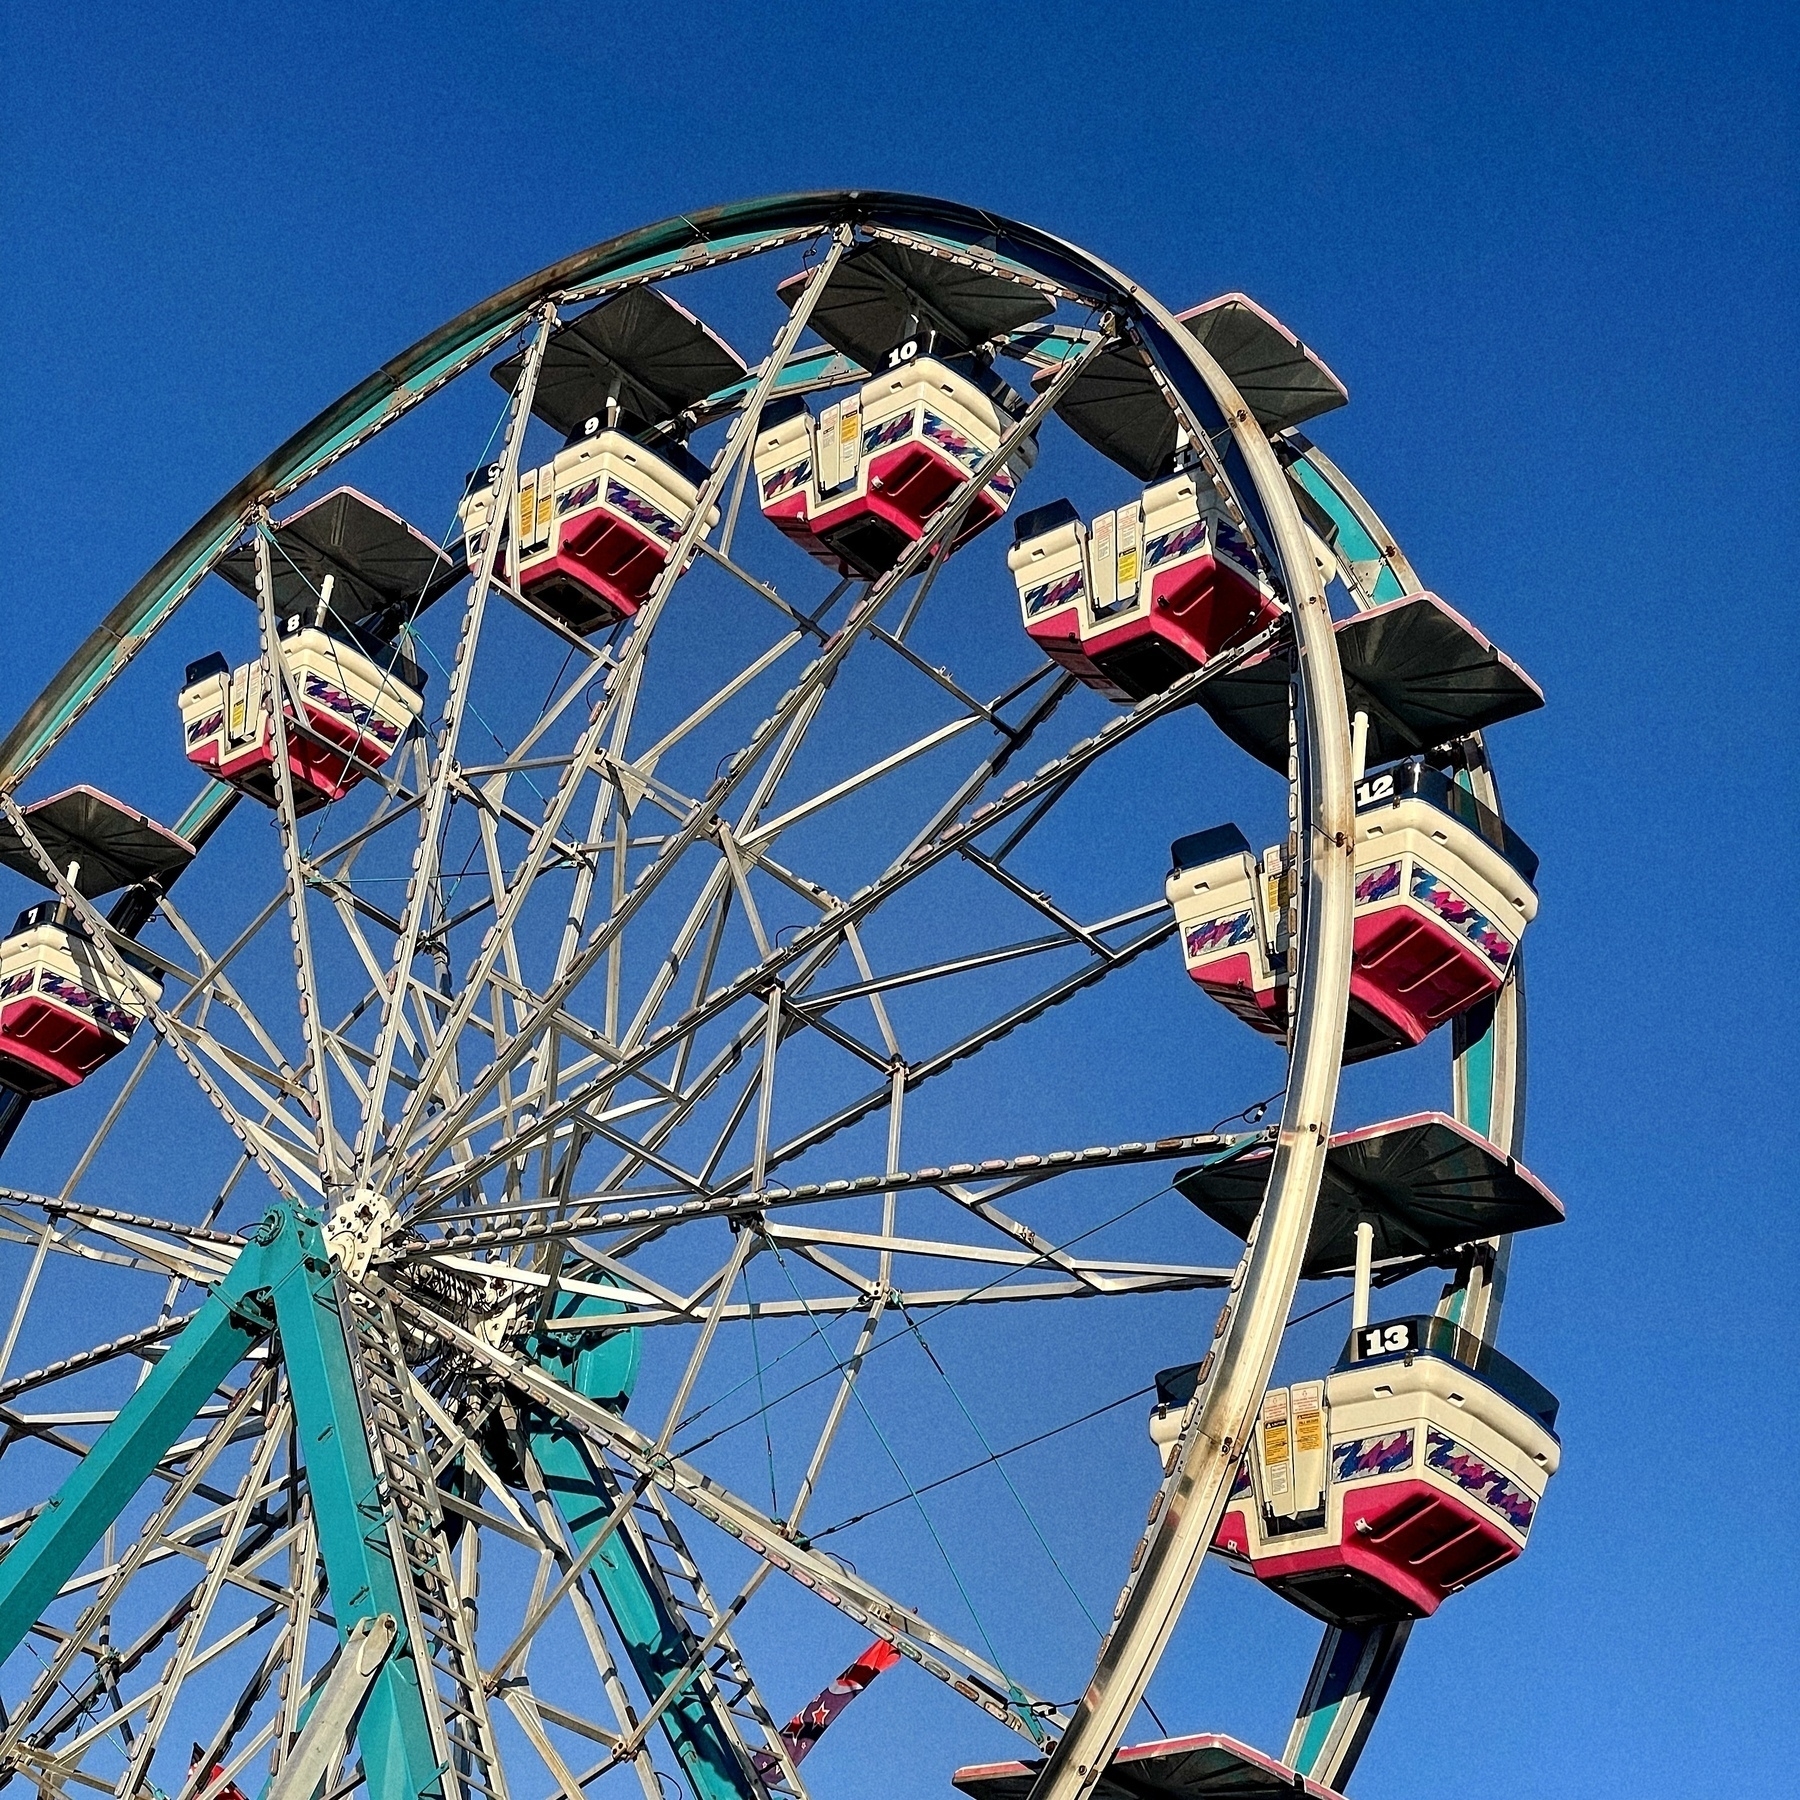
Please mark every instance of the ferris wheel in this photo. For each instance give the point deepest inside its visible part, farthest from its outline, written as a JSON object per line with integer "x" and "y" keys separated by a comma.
{"x": 382, "y": 1430}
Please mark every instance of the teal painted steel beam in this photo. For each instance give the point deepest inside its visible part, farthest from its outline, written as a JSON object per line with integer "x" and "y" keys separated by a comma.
{"x": 75, "y": 1518}
{"x": 605, "y": 1369}
{"x": 652, "y": 1637}
{"x": 399, "y": 1748}
{"x": 282, "y": 1277}
{"x": 1353, "y": 537}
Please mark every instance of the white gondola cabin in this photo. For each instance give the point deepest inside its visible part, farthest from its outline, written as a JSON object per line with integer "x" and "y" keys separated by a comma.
{"x": 856, "y": 486}
{"x": 1413, "y": 1469}
{"x": 595, "y": 526}
{"x": 1144, "y": 595}
{"x": 347, "y": 575}
{"x": 65, "y": 1008}
{"x": 1152, "y": 591}
{"x": 62, "y": 1010}
{"x": 623, "y": 384}
{"x": 1443, "y": 895}
{"x": 358, "y": 700}
{"x": 1416, "y": 1465}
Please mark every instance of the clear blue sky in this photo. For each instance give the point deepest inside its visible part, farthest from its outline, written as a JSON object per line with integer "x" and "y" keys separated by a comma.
{"x": 1552, "y": 252}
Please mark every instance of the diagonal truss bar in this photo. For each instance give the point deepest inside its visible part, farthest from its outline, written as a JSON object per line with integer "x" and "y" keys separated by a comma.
{"x": 422, "y": 882}
{"x": 933, "y": 1650}
{"x": 587, "y": 1215}
{"x": 166, "y": 1026}
{"x": 279, "y": 686}
{"x": 811, "y": 941}
{"x": 803, "y": 696}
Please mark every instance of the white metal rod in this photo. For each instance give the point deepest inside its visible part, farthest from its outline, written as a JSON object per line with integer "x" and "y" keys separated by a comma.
{"x": 1365, "y": 1262}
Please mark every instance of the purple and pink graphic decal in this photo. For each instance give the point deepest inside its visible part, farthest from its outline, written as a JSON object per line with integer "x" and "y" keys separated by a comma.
{"x": 1220, "y": 934}
{"x": 584, "y": 493}
{"x": 82, "y": 1000}
{"x": 785, "y": 481}
{"x": 346, "y": 706}
{"x": 1188, "y": 540}
{"x": 890, "y": 431}
{"x": 945, "y": 435}
{"x": 1359, "y": 1458}
{"x": 1494, "y": 1488}
{"x": 1433, "y": 891}
{"x": 636, "y": 508}
{"x": 1378, "y": 884}
{"x": 1053, "y": 594}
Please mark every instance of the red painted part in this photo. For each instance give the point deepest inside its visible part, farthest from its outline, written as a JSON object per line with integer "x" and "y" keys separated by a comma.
{"x": 905, "y": 489}
{"x": 1233, "y": 1536}
{"x": 609, "y": 562}
{"x": 1058, "y": 635}
{"x": 1416, "y": 974}
{"x": 1196, "y": 610}
{"x": 45, "y": 1049}
{"x": 911, "y": 481}
{"x": 906, "y": 486}
{"x": 788, "y": 516}
{"x": 808, "y": 1725}
{"x": 321, "y": 774}
{"x": 230, "y": 1791}
{"x": 1232, "y": 984}
{"x": 1408, "y": 974}
{"x": 1419, "y": 1544}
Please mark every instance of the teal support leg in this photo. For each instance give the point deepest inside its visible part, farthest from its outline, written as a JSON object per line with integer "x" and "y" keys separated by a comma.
{"x": 1350, "y": 1679}
{"x": 653, "y": 1640}
{"x": 605, "y": 1368}
{"x": 394, "y": 1732}
{"x": 76, "y": 1517}
{"x": 282, "y": 1277}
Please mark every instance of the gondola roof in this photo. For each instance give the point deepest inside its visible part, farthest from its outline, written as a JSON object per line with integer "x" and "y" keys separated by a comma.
{"x": 384, "y": 571}
{"x": 881, "y": 293}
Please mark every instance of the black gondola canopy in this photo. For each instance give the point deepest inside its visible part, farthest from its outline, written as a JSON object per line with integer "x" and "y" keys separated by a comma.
{"x": 881, "y": 293}
{"x": 1426, "y": 1184}
{"x": 1206, "y": 1766}
{"x": 115, "y": 845}
{"x": 638, "y": 348}
{"x": 1420, "y": 671}
{"x": 1282, "y": 381}
{"x": 1117, "y": 404}
{"x": 384, "y": 572}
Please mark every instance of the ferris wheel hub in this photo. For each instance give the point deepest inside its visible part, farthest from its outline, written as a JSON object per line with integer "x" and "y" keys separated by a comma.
{"x": 358, "y": 1228}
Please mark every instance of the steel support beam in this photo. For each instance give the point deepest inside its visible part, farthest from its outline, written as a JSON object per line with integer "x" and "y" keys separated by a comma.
{"x": 282, "y": 1277}
{"x": 652, "y": 1638}
{"x": 319, "y": 1751}
{"x": 75, "y": 1518}
{"x": 1235, "y": 1371}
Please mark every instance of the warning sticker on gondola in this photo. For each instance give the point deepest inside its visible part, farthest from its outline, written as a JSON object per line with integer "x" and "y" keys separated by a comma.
{"x": 849, "y": 439}
{"x": 1130, "y": 540}
{"x": 1277, "y": 1454}
{"x": 1105, "y": 567}
{"x": 1309, "y": 1417}
{"x": 828, "y": 447}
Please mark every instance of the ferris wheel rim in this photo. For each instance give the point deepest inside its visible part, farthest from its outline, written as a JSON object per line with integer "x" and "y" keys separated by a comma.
{"x": 657, "y": 252}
